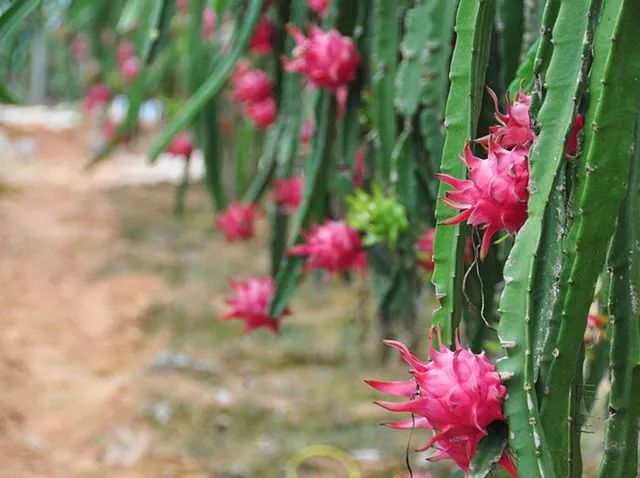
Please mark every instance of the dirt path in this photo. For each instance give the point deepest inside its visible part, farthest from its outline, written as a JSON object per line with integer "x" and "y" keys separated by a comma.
{"x": 70, "y": 343}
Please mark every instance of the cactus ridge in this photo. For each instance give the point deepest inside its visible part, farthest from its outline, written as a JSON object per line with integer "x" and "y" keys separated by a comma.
{"x": 474, "y": 23}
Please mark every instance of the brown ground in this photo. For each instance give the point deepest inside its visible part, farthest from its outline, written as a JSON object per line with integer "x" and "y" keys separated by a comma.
{"x": 97, "y": 280}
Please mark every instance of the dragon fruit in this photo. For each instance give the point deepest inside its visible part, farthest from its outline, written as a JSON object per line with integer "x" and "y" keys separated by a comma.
{"x": 125, "y": 51}
{"x": 129, "y": 69}
{"x": 209, "y": 22}
{"x": 262, "y": 113}
{"x": 182, "y": 5}
{"x": 251, "y": 304}
{"x": 237, "y": 221}
{"x": 333, "y": 246}
{"x": 458, "y": 394}
{"x": 327, "y": 59}
{"x": 261, "y": 41}
{"x": 514, "y": 128}
{"x": 596, "y": 330}
{"x": 97, "y": 96}
{"x": 250, "y": 85}
{"x": 495, "y": 196}
{"x": 319, "y": 6}
{"x": 572, "y": 144}
{"x": 182, "y": 145}
{"x": 288, "y": 193}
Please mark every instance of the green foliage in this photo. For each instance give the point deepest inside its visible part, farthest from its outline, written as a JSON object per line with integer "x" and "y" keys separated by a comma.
{"x": 379, "y": 217}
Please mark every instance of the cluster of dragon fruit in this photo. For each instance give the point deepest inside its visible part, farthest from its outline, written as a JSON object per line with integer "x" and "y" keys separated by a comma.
{"x": 457, "y": 394}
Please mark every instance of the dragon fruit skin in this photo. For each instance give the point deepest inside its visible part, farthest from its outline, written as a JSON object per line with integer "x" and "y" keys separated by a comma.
{"x": 327, "y": 60}
{"x": 262, "y": 113}
{"x": 288, "y": 193}
{"x": 125, "y": 51}
{"x": 251, "y": 304}
{"x": 261, "y": 42}
{"x": 97, "y": 96}
{"x": 237, "y": 221}
{"x": 334, "y": 247}
{"x": 250, "y": 84}
{"x": 572, "y": 143}
{"x": 495, "y": 196}
{"x": 182, "y": 145}
{"x": 458, "y": 394}
{"x": 320, "y": 7}
{"x": 514, "y": 128}
{"x": 209, "y": 22}
{"x": 129, "y": 69}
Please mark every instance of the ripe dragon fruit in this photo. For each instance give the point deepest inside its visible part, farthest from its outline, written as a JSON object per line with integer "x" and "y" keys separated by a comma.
{"x": 125, "y": 51}
{"x": 333, "y": 246}
{"x": 320, "y": 7}
{"x": 288, "y": 193}
{"x": 237, "y": 221}
{"x": 572, "y": 144}
{"x": 596, "y": 330}
{"x": 327, "y": 59}
{"x": 261, "y": 41}
{"x": 250, "y": 84}
{"x": 515, "y": 126}
{"x": 182, "y": 145}
{"x": 97, "y": 96}
{"x": 495, "y": 196}
{"x": 457, "y": 394}
{"x": 209, "y": 22}
{"x": 262, "y": 113}
{"x": 251, "y": 304}
{"x": 129, "y": 69}
{"x": 253, "y": 88}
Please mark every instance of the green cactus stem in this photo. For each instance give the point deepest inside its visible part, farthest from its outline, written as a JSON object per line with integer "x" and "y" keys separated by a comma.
{"x": 621, "y": 442}
{"x": 608, "y": 148}
{"x": 474, "y": 22}
{"x": 527, "y": 438}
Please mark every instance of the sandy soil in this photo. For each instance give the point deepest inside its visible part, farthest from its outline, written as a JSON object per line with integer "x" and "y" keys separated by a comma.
{"x": 70, "y": 343}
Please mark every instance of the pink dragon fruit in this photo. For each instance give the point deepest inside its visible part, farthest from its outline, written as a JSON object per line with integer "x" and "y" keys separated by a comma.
{"x": 515, "y": 126}
{"x": 319, "y": 6}
{"x": 327, "y": 59}
{"x": 182, "y": 145}
{"x": 125, "y": 51}
{"x": 495, "y": 196}
{"x": 288, "y": 193}
{"x": 457, "y": 394}
{"x": 250, "y": 85}
{"x": 182, "y": 5}
{"x": 596, "y": 330}
{"x": 237, "y": 221}
{"x": 80, "y": 48}
{"x": 129, "y": 69}
{"x": 262, "y": 113}
{"x": 261, "y": 41}
{"x": 209, "y": 22}
{"x": 306, "y": 132}
{"x": 572, "y": 144}
{"x": 251, "y": 304}
{"x": 97, "y": 96}
{"x": 334, "y": 247}
{"x": 359, "y": 167}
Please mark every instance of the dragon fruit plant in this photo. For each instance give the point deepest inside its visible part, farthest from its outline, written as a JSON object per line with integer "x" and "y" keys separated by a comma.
{"x": 482, "y": 153}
